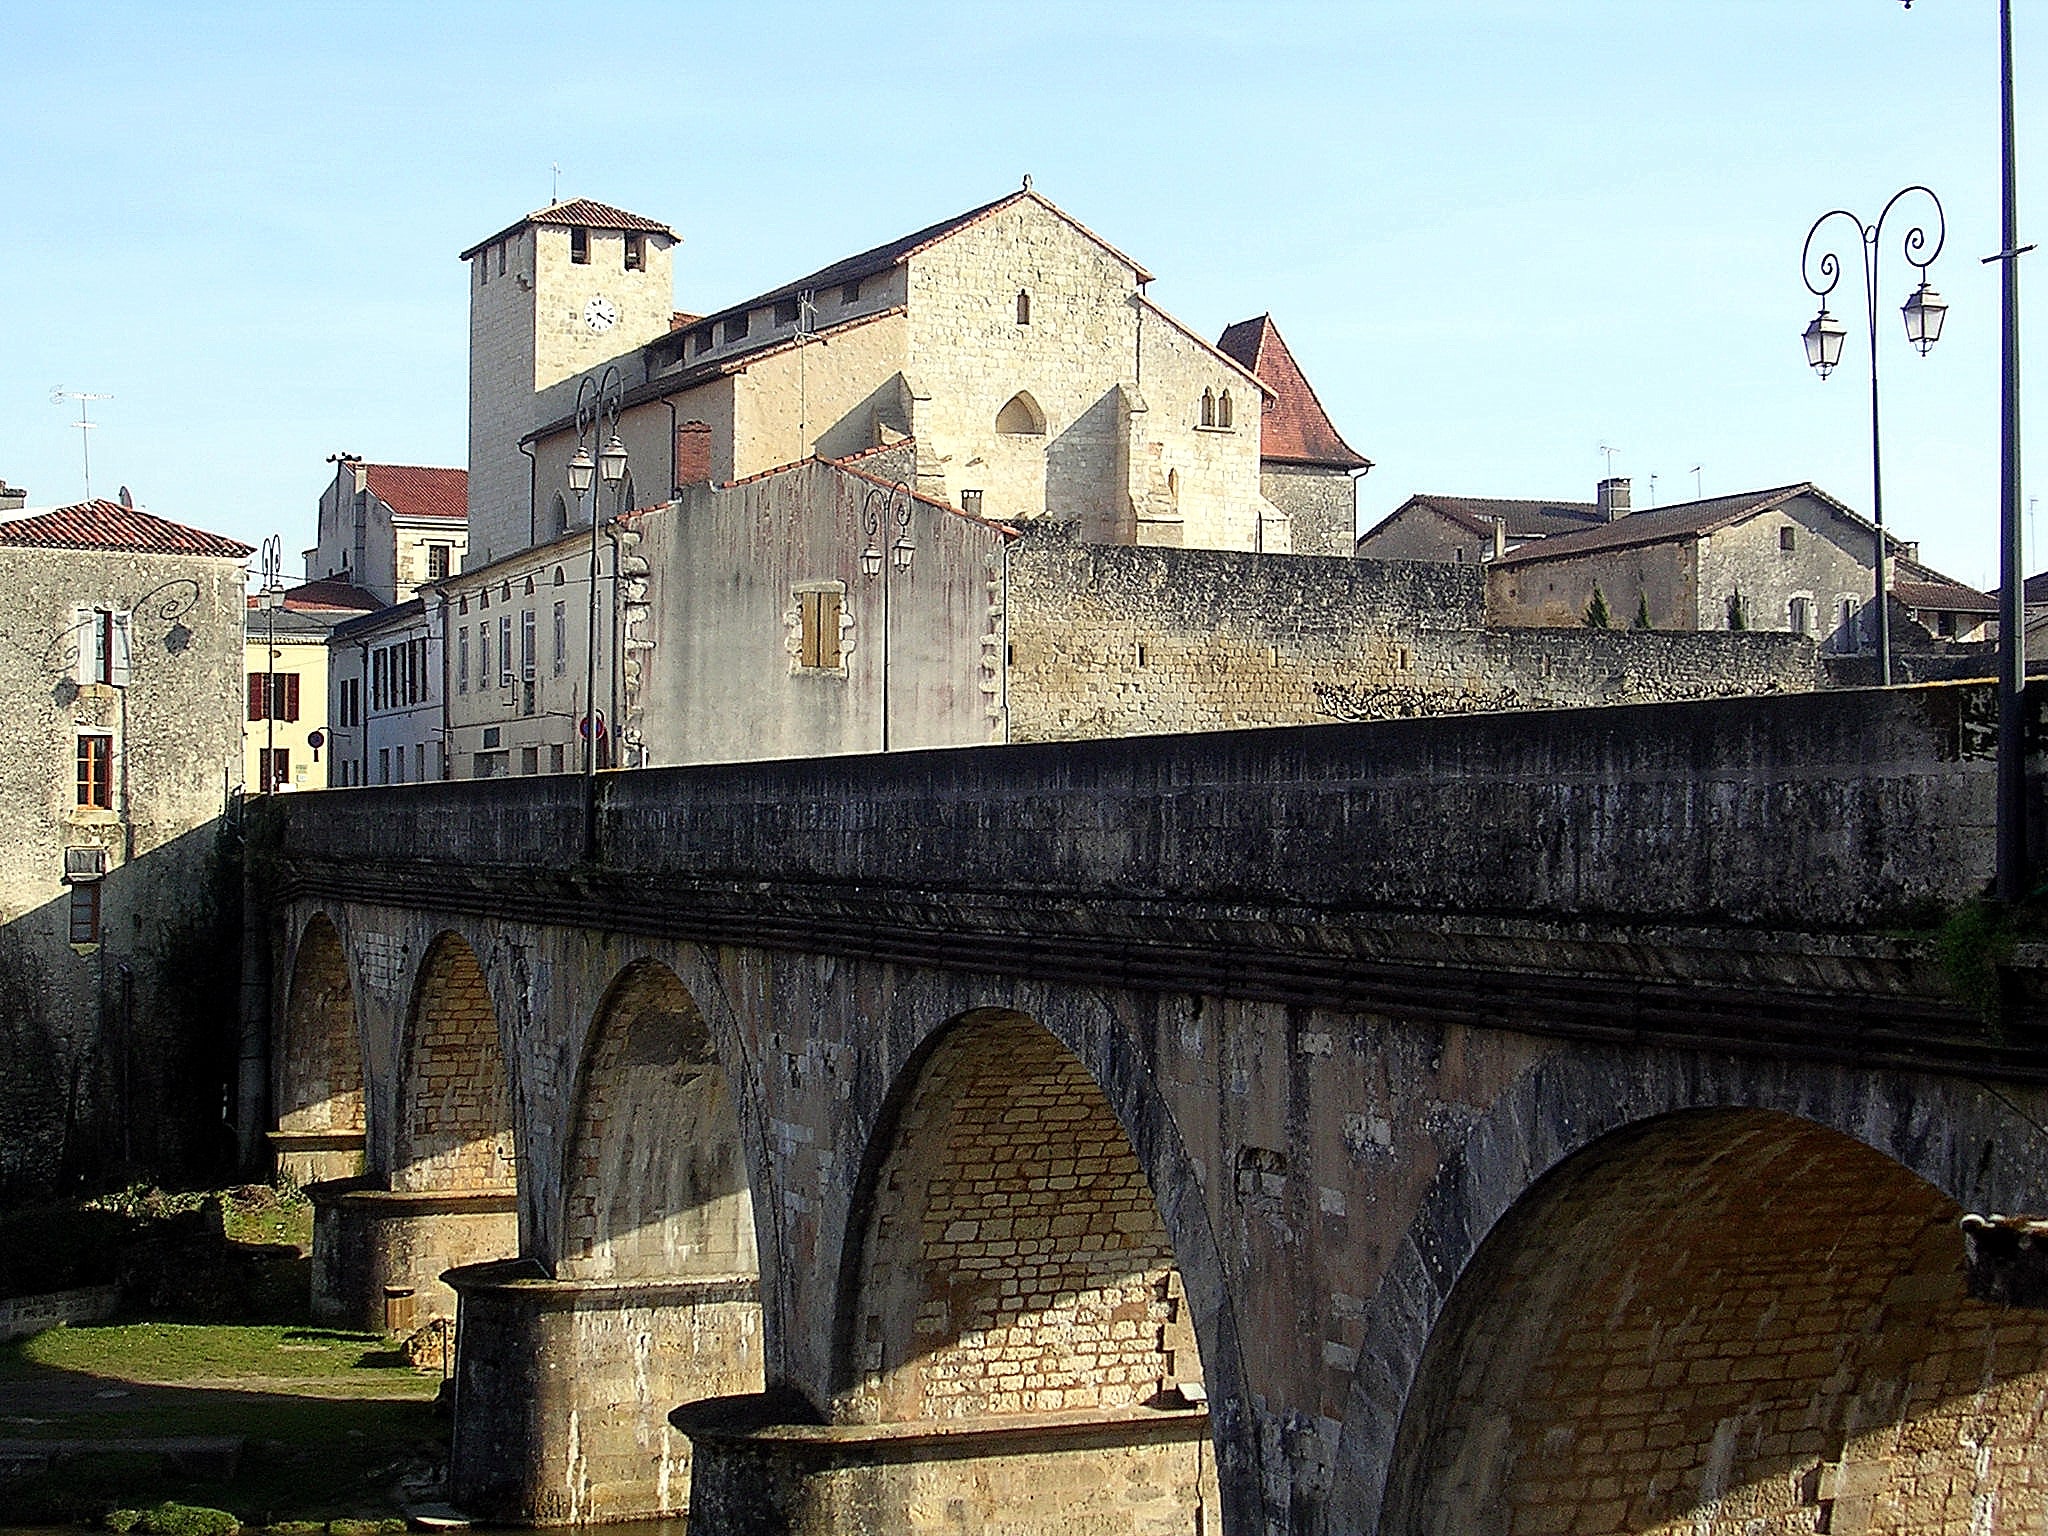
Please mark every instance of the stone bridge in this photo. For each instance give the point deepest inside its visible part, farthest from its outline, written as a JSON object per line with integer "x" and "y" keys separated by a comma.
{"x": 1536, "y": 1122}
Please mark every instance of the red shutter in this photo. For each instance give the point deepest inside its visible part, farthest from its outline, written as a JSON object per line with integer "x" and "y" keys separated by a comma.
{"x": 255, "y": 695}
{"x": 291, "y": 695}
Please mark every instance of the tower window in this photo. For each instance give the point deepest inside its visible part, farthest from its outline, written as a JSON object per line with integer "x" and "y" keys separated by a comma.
{"x": 579, "y": 245}
{"x": 437, "y": 562}
{"x": 1208, "y": 416}
{"x": 1787, "y": 538}
{"x": 636, "y": 253}
{"x": 483, "y": 270}
{"x": 1023, "y": 307}
{"x": 785, "y": 312}
{"x": 1223, "y": 409}
{"x": 501, "y": 259}
{"x": 736, "y": 328}
{"x": 703, "y": 340}
{"x": 849, "y": 293}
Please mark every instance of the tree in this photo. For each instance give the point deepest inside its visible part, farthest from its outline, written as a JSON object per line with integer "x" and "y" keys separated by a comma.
{"x": 1642, "y": 619}
{"x": 1596, "y": 610}
{"x": 1738, "y": 616}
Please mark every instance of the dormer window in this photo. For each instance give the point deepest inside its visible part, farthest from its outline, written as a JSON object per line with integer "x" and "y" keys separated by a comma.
{"x": 703, "y": 341}
{"x": 1023, "y": 307}
{"x": 579, "y": 245}
{"x": 785, "y": 312}
{"x": 849, "y": 293}
{"x": 1208, "y": 412}
{"x": 636, "y": 253}
{"x": 736, "y": 328}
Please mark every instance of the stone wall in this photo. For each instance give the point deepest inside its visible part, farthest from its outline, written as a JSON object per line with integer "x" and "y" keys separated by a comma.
{"x": 1106, "y": 641}
{"x": 458, "y": 1117}
{"x": 1321, "y": 506}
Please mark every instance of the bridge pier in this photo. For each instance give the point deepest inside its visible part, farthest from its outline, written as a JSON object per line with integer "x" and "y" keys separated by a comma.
{"x": 317, "y": 1157}
{"x": 1137, "y": 1471}
{"x": 563, "y": 1388}
{"x": 369, "y": 1241}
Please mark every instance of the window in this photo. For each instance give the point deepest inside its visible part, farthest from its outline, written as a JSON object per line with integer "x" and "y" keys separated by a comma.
{"x": 503, "y": 246}
{"x": 280, "y": 701}
{"x": 462, "y": 661}
{"x": 818, "y": 610}
{"x": 560, "y": 580}
{"x": 561, "y": 637}
{"x": 1021, "y": 417}
{"x": 419, "y": 762}
{"x": 1799, "y": 613}
{"x": 736, "y": 328}
{"x": 636, "y": 253}
{"x": 398, "y": 766}
{"x": 1208, "y": 411}
{"x": 1845, "y": 623}
{"x": 702, "y": 341}
{"x": 529, "y": 760}
{"x": 1023, "y": 307}
{"x": 505, "y": 650}
{"x": 483, "y": 270}
{"x": 102, "y": 645}
{"x": 970, "y": 501}
{"x": 555, "y": 756}
{"x": 527, "y": 645}
{"x": 483, "y": 655}
{"x": 849, "y": 293}
{"x": 96, "y": 770}
{"x": 529, "y": 586}
{"x": 273, "y": 768}
{"x": 493, "y": 735}
{"x": 349, "y": 704}
{"x": 579, "y": 245}
{"x": 1223, "y": 409}
{"x": 437, "y": 562}
{"x": 785, "y": 312}
{"x": 85, "y": 913}
{"x": 383, "y": 765}
{"x": 1787, "y": 535}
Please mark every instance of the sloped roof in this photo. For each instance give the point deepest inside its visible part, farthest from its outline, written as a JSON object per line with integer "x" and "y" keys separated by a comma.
{"x": 1682, "y": 520}
{"x": 1922, "y": 586}
{"x": 1477, "y": 515}
{"x": 419, "y": 490}
{"x": 579, "y": 210}
{"x": 107, "y": 525}
{"x": 329, "y": 595}
{"x": 397, "y": 613}
{"x": 1294, "y": 429}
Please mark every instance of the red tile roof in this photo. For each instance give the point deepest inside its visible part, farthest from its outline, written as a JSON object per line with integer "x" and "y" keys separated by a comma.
{"x": 1295, "y": 428}
{"x": 102, "y": 524}
{"x": 414, "y": 490}
{"x": 1922, "y": 586}
{"x": 582, "y": 211}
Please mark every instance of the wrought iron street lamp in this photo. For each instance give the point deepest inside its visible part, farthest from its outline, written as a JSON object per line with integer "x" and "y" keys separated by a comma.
{"x": 599, "y": 397}
{"x": 883, "y": 508}
{"x": 1923, "y": 313}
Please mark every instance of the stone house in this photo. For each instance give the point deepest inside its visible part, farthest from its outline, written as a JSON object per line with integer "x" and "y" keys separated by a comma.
{"x": 1306, "y": 469}
{"x": 386, "y": 721}
{"x": 122, "y": 682}
{"x": 1791, "y": 559}
{"x": 1017, "y": 349}
{"x": 387, "y": 528}
{"x": 286, "y": 661}
{"x": 817, "y": 608}
{"x": 1476, "y": 529}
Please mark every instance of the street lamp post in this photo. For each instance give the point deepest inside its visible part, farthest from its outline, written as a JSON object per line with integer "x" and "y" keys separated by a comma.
{"x": 599, "y": 397}
{"x": 268, "y": 597}
{"x": 882, "y": 508}
{"x": 1923, "y": 313}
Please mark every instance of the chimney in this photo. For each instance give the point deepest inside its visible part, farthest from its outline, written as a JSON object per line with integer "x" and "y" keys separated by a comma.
{"x": 12, "y": 497}
{"x": 1500, "y": 537}
{"x": 693, "y": 454}
{"x": 1610, "y": 496}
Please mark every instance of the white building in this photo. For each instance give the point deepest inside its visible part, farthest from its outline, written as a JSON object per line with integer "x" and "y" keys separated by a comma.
{"x": 385, "y": 714}
{"x": 387, "y": 528}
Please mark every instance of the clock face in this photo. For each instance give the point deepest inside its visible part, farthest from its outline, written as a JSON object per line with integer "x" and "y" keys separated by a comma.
{"x": 600, "y": 314}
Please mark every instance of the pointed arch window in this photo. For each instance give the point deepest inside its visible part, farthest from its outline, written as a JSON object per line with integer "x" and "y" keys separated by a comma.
{"x": 1021, "y": 417}
{"x": 1023, "y": 307}
{"x": 1208, "y": 416}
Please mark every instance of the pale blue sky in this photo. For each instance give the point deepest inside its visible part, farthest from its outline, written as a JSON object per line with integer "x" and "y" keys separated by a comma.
{"x": 1496, "y": 233}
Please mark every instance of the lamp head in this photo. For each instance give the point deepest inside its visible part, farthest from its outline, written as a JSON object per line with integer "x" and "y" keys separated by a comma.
{"x": 871, "y": 560}
{"x": 582, "y": 469}
{"x": 611, "y": 461}
{"x": 1924, "y": 312}
{"x": 1824, "y": 339}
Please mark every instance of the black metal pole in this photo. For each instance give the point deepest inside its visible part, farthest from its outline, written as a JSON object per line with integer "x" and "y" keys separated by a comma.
{"x": 1884, "y": 608}
{"x": 2012, "y": 881}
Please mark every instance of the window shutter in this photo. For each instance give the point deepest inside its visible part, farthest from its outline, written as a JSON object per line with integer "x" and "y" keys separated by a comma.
{"x": 291, "y": 695}
{"x": 85, "y": 629}
{"x": 255, "y": 695}
{"x": 118, "y": 665}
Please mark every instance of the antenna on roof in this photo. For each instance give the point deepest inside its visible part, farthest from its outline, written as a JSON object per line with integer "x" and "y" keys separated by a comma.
{"x": 1697, "y": 493}
{"x": 1653, "y": 488}
{"x": 1610, "y": 453}
{"x": 555, "y": 189}
{"x": 58, "y": 396}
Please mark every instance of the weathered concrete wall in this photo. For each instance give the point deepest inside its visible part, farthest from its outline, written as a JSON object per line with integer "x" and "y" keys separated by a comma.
{"x": 1112, "y": 642}
{"x": 113, "y": 1049}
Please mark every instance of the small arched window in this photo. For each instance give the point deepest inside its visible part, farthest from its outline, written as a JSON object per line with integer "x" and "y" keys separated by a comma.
{"x": 1021, "y": 417}
{"x": 1023, "y": 307}
{"x": 1208, "y": 408}
{"x": 558, "y": 576}
{"x": 529, "y": 587}
{"x": 1223, "y": 409}
{"x": 558, "y": 516}
{"x": 505, "y": 591}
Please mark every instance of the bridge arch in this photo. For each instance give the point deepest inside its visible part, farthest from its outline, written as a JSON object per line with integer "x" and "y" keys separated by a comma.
{"x": 1007, "y": 1256}
{"x": 321, "y": 1103}
{"x": 656, "y": 1182}
{"x": 1530, "y": 1179}
{"x": 455, "y": 1130}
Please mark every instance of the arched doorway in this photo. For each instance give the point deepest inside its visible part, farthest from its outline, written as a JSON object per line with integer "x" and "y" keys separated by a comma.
{"x": 319, "y": 1082}
{"x": 1723, "y": 1321}
{"x": 1015, "y": 1269}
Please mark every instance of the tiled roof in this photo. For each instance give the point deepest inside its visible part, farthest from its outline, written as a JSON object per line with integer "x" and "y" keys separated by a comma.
{"x": 416, "y": 490}
{"x": 1295, "y": 429}
{"x": 329, "y": 595}
{"x": 1524, "y": 519}
{"x": 102, "y": 524}
{"x": 1922, "y": 586}
{"x": 580, "y": 210}
{"x": 397, "y": 614}
{"x": 1654, "y": 525}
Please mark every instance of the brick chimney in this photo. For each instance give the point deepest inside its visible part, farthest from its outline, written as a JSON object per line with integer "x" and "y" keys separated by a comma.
{"x": 1611, "y": 497}
{"x": 693, "y": 454}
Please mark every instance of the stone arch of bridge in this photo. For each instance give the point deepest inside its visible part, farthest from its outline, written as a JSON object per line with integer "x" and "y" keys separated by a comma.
{"x": 455, "y": 1127}
{"x": 1922, "y": 1148}
{"x": 656, "y": 1179}
{"x": 1007, "y": 1254}
{"x": 320, "y": 1063}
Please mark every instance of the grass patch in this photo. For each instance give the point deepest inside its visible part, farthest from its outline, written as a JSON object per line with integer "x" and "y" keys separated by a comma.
{"x": 179, "y": 1352}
